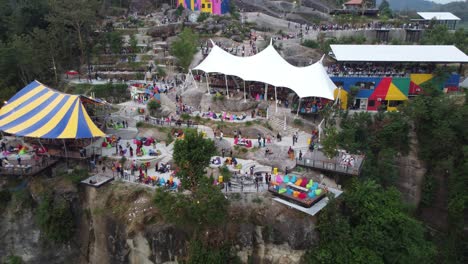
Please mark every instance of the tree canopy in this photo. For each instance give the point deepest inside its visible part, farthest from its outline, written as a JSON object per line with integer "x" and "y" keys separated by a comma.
{"x": 185, "y": 47}
{"x": 370, "y": 226}
{"x": 192, "y": 155}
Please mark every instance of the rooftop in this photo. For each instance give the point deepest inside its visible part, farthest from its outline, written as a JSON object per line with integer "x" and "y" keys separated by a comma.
{"x": 438, "y": 16}
{"x": 399, "y": 53}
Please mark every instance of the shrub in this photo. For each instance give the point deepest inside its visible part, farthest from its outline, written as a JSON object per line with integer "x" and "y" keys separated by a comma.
{"x": 202, "y": 17}
{"x": 248, "y": 123}
{"x": 5, "y": 197}
{"x": 257, "y": 200}
{"x": 185, "y": 116}
{"x": 55, "y": 218}
{"x": 153, "y": 106}
{"x": 298, "y": 122}
{"x": 12, "y": 259}
{"x": 310, "y": 44}
{"x": 140, "y": 124}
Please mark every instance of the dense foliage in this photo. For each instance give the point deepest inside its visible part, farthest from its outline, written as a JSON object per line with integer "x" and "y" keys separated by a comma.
{"x": 185, "y": 47}
{"x": 441, "y": 126}
{"x": 371, "y": 226}
{"x": 55, "y": 218}
{"x": 205, "y": 207}
{"x": 380, "y": 137}
{"x": 192, "y": 155}
{"x": 41, "y": 39}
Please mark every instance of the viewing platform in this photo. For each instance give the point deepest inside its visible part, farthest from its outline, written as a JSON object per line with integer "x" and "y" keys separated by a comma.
{"x": 27, "y": 169}
{"x": 343, "y": 163}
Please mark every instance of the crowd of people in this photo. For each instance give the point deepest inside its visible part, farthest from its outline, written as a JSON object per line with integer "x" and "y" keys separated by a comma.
{"x": 377, "y": 70}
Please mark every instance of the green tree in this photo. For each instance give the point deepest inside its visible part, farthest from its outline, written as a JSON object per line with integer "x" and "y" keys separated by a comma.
{"x": 369, "y": 226}
{"x": 152, "y": 106}
{"x": 55, "y": 218}
{"x": 204, "y": 207}
{"x": 185, "y": 47}
{"x": 78, "y": 15}
{"x": 330, "y": 143}
{"x": 133, "y": 44}
{"x": 192, "y": 155}
{"x": 384, "y": 9}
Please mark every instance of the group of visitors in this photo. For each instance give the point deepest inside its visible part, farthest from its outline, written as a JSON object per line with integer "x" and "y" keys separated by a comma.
{"x": 379, "y": 70}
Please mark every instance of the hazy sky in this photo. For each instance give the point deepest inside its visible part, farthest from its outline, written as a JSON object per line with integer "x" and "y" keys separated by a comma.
{"x": 443, "y": 1}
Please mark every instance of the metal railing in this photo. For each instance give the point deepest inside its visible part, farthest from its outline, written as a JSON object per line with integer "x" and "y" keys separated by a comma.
{"x": 329, "y": 166}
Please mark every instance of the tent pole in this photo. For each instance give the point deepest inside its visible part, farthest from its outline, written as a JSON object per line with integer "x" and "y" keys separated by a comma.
{"x": 38, "y": 139}
{"x": 227, "y": 89}
{"x": 193, "y": 78}
{"x": 245, "y": 100}
{"x": 298, "y": 107}
{"x": 266, "y": 92}
{"x": 207, "y": 83}
{"x": 66, "y": 153}
{"x": 276, "y": 101}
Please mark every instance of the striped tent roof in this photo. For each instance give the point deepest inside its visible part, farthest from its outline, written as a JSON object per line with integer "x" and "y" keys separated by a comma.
{"x": 41, "y": 112}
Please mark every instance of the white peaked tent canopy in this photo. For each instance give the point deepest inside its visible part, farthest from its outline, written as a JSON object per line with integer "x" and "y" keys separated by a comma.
{"x": 269, "y": 67}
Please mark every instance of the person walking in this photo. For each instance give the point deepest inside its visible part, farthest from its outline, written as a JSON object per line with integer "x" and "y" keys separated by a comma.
{"x": 222, "y": 152}
{"x": 264, "y": 141}
{"x": 300, "y": 154}
{"x": 18, "y": 159}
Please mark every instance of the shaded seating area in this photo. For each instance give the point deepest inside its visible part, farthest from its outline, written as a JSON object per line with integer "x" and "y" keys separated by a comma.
{"x": 302, "y": 191}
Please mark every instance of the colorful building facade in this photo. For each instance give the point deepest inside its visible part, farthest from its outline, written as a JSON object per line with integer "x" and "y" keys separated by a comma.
{"x": 389, "y": 91}
{"x": 216, "y": 7}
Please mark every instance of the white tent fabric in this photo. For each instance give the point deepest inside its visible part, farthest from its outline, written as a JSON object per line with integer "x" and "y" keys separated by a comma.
{"x": 269, "y": 67}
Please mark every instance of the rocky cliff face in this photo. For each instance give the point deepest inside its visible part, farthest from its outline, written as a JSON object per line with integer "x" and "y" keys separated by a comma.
{"x": 411, "y": 171}
{"x": 118, "y": 224}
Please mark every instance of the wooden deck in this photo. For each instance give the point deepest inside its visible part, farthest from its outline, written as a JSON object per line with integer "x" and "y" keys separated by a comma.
{"x": 27, "y": 169}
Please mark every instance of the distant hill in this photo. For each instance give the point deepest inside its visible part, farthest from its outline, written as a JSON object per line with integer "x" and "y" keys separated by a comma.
{"x": 418, "y": 5}
{"x": 460, "y": 9}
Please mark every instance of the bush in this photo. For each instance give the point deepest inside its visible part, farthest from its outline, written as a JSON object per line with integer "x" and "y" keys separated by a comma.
{"x": 185, "y": 116}
{"x": 248, "y": 123}
{"x": 5, "y": 197}
{"x": 55, "y": 218}
{"x": 202, "y": 17}
{"x": 12, "y": 259}
{"x": 298, "y": 122}
{"x": 310, "y": 44}
{"x": 140, "y": 124}
{"x": 77, "y": 175}
{"x": 152, "y": 106}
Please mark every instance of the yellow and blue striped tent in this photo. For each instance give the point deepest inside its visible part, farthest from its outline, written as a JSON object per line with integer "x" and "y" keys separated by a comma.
{"x": 41, "y": 112}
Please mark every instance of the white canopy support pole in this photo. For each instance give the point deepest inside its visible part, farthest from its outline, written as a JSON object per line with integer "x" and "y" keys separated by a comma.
{"x": 245, "y": 99}
{"x": 193, "y": 78}
{"x": 284, "y": 126}
{"x": 298, "y": 107}
{"x": 320, "y": 129}
{"x": 276, "y": 101}
{"x": 207, "y": 83}
{"x": 338, "y": 95}
{"x": 227, "y": 89}
{"x": 266, "y": 92}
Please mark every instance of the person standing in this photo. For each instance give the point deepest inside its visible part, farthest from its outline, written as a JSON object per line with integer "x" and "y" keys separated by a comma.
{"x": 300, "y": 154}
{"x": 221, "y": 135}
{"x": 18, "y": 158}
{"x": 222, "y": 152}
{"x": 264, "y": 141}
